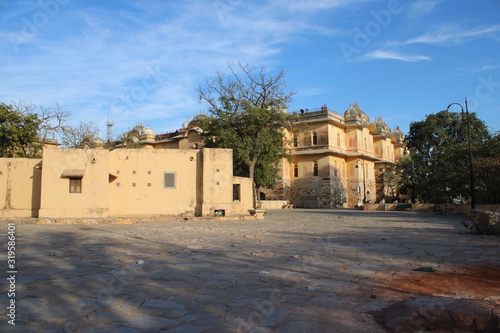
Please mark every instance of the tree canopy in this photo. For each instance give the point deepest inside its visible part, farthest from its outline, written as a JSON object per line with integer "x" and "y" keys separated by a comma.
{"x": 248, "y": 114}
{"x": 436, "y": 170}
{"x": 19, "y": 133}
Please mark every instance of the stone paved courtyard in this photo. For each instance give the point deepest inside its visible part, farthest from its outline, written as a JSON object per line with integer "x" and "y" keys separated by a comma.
{"x": 295, "y": 271}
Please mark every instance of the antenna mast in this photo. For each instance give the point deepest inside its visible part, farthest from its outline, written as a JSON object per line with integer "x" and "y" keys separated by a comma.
{"x": 109, "y": 126}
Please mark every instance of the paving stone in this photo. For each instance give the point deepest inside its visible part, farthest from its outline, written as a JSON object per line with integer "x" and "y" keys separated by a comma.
{"x": 32, "y": 304}
{"x": 260, "y": 330}
{"x": 19, "y": 326}
{"x": 132, "y": 303}
{"x": 108, "y": 316}
{"x": 160, "y": 303}
{"x": 125, "y": 329}
{"x": 295, "y": 327}
{"x": 99, "y": 329}
{"x": 63, "y": 311}
{"x": 146, "y": 321}
{"x": 185, "y": 329}
{"x": 210, "y": 320}
{"x": 273, "y": 317}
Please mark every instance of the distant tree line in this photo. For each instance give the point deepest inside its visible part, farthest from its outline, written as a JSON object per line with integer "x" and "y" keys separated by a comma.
{"x": 25, "y": 128}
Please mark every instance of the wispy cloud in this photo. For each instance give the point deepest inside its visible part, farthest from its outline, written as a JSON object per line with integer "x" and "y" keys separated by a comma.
{"x": 453, "y": 35}
{"x": 383, "y": 54}
{"x": 422, "y": 7}
{"x": 144, "y": 67}
{"x": 309, "y": 6}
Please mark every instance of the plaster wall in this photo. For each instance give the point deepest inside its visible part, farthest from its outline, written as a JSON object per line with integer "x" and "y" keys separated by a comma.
{"x": 56, "y": 199}
{"x": 137, "y": 182}
{"x": 20, "y": 187}
{"x": 217, "y": 181}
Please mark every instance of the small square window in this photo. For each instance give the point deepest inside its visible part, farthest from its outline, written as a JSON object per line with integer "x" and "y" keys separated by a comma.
{"x": 118, "y": 184}
{"x": 169, "y": 180}
{"x": 149, "y": 172}
{"x": 149, "y": 184}
{"x": 133, "y": 184}
{"x": 75, "y": 185}
{"x": 133, "y": 172}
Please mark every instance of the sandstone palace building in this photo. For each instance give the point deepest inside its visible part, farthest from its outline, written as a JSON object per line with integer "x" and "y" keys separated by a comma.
{"x": 332, "y": 162}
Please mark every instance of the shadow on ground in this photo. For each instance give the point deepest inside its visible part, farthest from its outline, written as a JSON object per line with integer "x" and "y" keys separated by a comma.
{"x": 296, "y": 271}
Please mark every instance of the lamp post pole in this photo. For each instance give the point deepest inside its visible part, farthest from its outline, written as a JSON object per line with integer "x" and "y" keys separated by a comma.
{"x": 471, "y": 162}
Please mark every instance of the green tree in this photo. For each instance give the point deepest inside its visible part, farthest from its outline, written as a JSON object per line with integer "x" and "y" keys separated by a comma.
{"x": 487, "y": 167}
{"x": 19, "y": 133}
{"x": 436, "y": 169}
{"x": 248, "y": 114}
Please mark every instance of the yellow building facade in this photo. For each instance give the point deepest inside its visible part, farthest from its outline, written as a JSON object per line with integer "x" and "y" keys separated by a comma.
{"x": 96, "y": 183}
{"x": 332, "y": 161}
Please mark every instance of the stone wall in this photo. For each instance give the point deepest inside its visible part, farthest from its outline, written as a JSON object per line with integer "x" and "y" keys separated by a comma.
{"x": 315, "y": 192}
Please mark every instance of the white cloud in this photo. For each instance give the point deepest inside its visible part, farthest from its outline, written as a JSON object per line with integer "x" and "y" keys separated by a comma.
{"x": 453, "y": 35}
{"x": 106, "y": 60}
{"x": 382, "y": 54}
{"x": 310, "y": 6}
{"x": 422, "y": 7}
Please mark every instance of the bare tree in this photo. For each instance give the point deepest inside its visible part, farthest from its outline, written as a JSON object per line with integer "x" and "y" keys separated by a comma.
{"x": 53, "y": 119}
{"x": 85, "y": 135}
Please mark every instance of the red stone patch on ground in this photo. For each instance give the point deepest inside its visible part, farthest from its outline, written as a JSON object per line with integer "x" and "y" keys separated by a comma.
{"x": 474, "y": 281}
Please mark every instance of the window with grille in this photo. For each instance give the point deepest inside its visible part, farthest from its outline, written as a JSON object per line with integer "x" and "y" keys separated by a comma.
{"x": 75, "y": 185}
{"x": 236, "y": 192}
{"x": 169, "y": 180}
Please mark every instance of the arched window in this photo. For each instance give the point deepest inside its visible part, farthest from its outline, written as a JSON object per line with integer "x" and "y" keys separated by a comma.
{"x": 315, "y": 138}
{"x": 315, "y": 168}
{"x": 295, "y": 170}
{"x": 366, "y": 144}
{"x": 335, "y": 171}
{"x": 338, "y": 140}
{"x": 295, "y": 141}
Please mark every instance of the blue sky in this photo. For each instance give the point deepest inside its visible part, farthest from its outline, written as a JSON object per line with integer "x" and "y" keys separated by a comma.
{"x": 141, "y": 61}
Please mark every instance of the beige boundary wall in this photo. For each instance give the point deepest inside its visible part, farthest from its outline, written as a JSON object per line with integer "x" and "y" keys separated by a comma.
{"x": 97, "y": 183}
{"x": 20, "y": 187}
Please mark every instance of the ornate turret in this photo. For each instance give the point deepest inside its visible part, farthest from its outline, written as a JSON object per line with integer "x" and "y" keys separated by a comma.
{"x": 398, "y": 136}
{"x": 355, "y": 116}
{"x": 382, "y": 128}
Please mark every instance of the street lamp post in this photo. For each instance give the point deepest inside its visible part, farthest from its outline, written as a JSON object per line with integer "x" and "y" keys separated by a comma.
{"x": 364, "y": 179}
{"x": 471, "y": 165}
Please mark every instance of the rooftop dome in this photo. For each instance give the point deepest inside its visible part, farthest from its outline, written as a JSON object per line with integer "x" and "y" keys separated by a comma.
{"x": 148, "y": 131}
{"x": 355, "y": 111}
{"x": 97, "y": 140}
{"x": 381, "y": 126}
{"x": 355, "y": 116}
{"x": 398, "y": 135}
